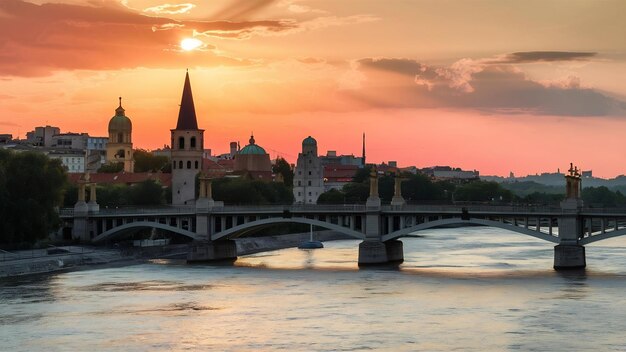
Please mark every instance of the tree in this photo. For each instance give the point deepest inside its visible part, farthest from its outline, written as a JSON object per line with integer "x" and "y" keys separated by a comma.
{"x": 31, "y": 186}
{"x": 331, "y": 197}
{"x": 148, "y": 192}
{"x": 145, "y": 161}
{"x": 282, "y": 167}
{"x": 419, "y": 187}
{"x": 483, "y": 191}
{"x": 111, "y": 168}
{"x": 250, "y": 192}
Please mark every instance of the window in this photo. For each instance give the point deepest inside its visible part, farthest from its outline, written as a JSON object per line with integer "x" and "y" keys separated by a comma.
{"x": 299, "y": 172}
{"x": 189, "y": 164}
{"x": 120, "y": 138}
{"x": 299, "y": 194}
{"x": 309, "y": 193}
{"x": 309, "y": 183}
{"x": 181, "y": 142}
{"x": 180, "y": 164}
{"x": 299, "y": 183}
{"x": 309, "y": 173}
{"x": 173, "y": 164}
{"x": 192, "y": 143}
{"x": 196, "y": 162}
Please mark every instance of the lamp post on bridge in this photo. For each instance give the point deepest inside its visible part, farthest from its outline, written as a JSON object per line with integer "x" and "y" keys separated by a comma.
{"x": 569, "y": 254}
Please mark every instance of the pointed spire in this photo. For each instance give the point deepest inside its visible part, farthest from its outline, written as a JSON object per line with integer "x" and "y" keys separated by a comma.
{"x": 120, "y": 110}
{"x": 363, "y": 155}
{"x": 187, "y": 114}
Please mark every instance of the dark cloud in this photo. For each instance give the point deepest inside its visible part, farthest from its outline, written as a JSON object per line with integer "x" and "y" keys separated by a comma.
{"x": 473, "y": 84}
{"x": 538, "y": 56}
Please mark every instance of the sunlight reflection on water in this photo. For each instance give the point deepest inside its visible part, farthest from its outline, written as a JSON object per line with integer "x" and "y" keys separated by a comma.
{"x": 471, "y": 289}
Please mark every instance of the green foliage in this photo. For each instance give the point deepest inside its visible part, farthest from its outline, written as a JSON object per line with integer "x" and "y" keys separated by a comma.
{"x": 31, "y": 186}
{"x": 363, "y": 174}
{"x": 145, "y": 161}
{"x": 235, "y": 191}
{"x": 525, "y": 188}
{"x": 356, "y": 193}
{"x": 148, "y": 192}
{"x": 538, "y": 198}
{"x": 482, "y": 191}
{"x": 331, "y": 197}
{"x": 602, "y": 197}
{"x": 111, "y": 168}
{"x": 420, "y": 188}
{"x": 282, "y": 167}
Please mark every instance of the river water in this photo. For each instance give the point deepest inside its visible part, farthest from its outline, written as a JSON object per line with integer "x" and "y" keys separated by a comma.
{"x": 465, "y": 289}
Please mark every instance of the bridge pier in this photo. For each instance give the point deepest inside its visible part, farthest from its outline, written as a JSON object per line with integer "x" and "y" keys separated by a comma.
{"x": 212, "y": 251}
{"x": 569, "y": 256}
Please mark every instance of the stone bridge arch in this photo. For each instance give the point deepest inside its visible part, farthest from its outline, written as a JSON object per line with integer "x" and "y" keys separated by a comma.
{"x": 457, "y": 221}
{"x": 116, "y": 231}
{"x": 239, "y": 230}
{"x": 602, "y": 236}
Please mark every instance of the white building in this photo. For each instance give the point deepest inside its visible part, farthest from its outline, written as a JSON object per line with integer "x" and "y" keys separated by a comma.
{"x": 308, "y": 180}
{"x": 72, "y": 160}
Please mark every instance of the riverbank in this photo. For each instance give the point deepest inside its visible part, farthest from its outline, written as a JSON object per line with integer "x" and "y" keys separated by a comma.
{"x": 70, "y": 258}
{"x": 85, "y": 258}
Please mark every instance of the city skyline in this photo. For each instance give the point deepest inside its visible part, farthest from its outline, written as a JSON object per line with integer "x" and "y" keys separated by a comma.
{"x": 536, "y": 79}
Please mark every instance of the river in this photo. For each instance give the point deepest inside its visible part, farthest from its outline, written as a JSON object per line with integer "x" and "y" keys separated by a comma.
{"x": 465, "y": 289}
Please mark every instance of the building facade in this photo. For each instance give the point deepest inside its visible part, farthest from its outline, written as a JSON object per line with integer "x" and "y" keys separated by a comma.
{"x": 187, "y": 150}
{"x": 120, "y": 144}
{"x": 308, "y": 179}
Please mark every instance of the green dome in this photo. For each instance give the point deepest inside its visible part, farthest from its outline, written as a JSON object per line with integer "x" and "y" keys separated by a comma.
{"x": 309, "y": 141}
{"x": 252, "y": 148}
{"x": 120, "y": 122}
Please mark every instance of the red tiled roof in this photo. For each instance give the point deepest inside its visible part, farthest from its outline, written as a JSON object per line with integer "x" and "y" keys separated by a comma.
{"x": 125, "y": 178}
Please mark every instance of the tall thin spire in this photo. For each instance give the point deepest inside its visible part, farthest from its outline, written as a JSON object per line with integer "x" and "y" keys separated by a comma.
{"x": 187, "y": 113}
{"x": 363, "y": 155}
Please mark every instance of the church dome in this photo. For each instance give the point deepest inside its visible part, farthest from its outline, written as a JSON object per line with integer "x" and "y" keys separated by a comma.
{"x": 309, "y": 141}
{"x": 252, "y": 148}
{"x": 120, "y": 122}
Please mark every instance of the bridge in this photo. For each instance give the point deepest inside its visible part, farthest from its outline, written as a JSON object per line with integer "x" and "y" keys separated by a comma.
{"x": 212, "y": 226}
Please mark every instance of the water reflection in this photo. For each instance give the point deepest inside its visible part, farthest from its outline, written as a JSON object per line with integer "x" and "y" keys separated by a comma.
{"x": 457, "y": 290}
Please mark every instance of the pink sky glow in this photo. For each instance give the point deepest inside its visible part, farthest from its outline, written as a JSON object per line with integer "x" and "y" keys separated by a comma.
{"x": 526, "y": 86}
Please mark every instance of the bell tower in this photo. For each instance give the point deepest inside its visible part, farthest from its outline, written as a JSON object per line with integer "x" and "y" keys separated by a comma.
{"x": 187, "y": 149}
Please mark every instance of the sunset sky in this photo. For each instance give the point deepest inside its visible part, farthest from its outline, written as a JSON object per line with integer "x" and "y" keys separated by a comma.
{"x": 496, "y": 86}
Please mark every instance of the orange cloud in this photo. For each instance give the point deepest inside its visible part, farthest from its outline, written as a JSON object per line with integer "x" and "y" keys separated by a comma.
{"x": 169, "y": 9}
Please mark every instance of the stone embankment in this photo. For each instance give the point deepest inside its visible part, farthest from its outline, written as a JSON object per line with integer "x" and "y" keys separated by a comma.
{"x": 78, "y": 257}
{"x": 71, "y": 257}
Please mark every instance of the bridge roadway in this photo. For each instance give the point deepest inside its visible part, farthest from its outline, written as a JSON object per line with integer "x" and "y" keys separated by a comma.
{"x": 377, "y": 226}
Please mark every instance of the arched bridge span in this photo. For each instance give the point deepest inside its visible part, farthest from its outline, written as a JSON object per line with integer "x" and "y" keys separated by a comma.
{"x": 116, "y": 231}
{"x": 240, "y": 230}
{"x": 602, "y": 236}
{"x": 459, "y": 221}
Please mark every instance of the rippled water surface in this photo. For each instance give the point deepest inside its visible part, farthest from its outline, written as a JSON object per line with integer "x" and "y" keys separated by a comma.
{"x": 466, "y": 289}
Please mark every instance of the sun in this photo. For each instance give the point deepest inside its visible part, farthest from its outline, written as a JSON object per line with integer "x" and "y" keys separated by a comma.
{"x": 189, "y": 44}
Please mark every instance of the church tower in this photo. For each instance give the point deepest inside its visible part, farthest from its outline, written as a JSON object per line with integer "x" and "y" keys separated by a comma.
{"x": 120, "y": 144}
{"x": 187, "y": 149}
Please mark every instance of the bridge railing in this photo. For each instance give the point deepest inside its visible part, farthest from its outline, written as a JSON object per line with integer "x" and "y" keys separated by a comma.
{"x": 473, "y": 208}
{"x": 291, "y": 208}
{"x": 65, "y": 212}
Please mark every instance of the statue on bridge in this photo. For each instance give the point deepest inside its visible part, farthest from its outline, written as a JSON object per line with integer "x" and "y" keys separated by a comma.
{"x": 573, "y": 183}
